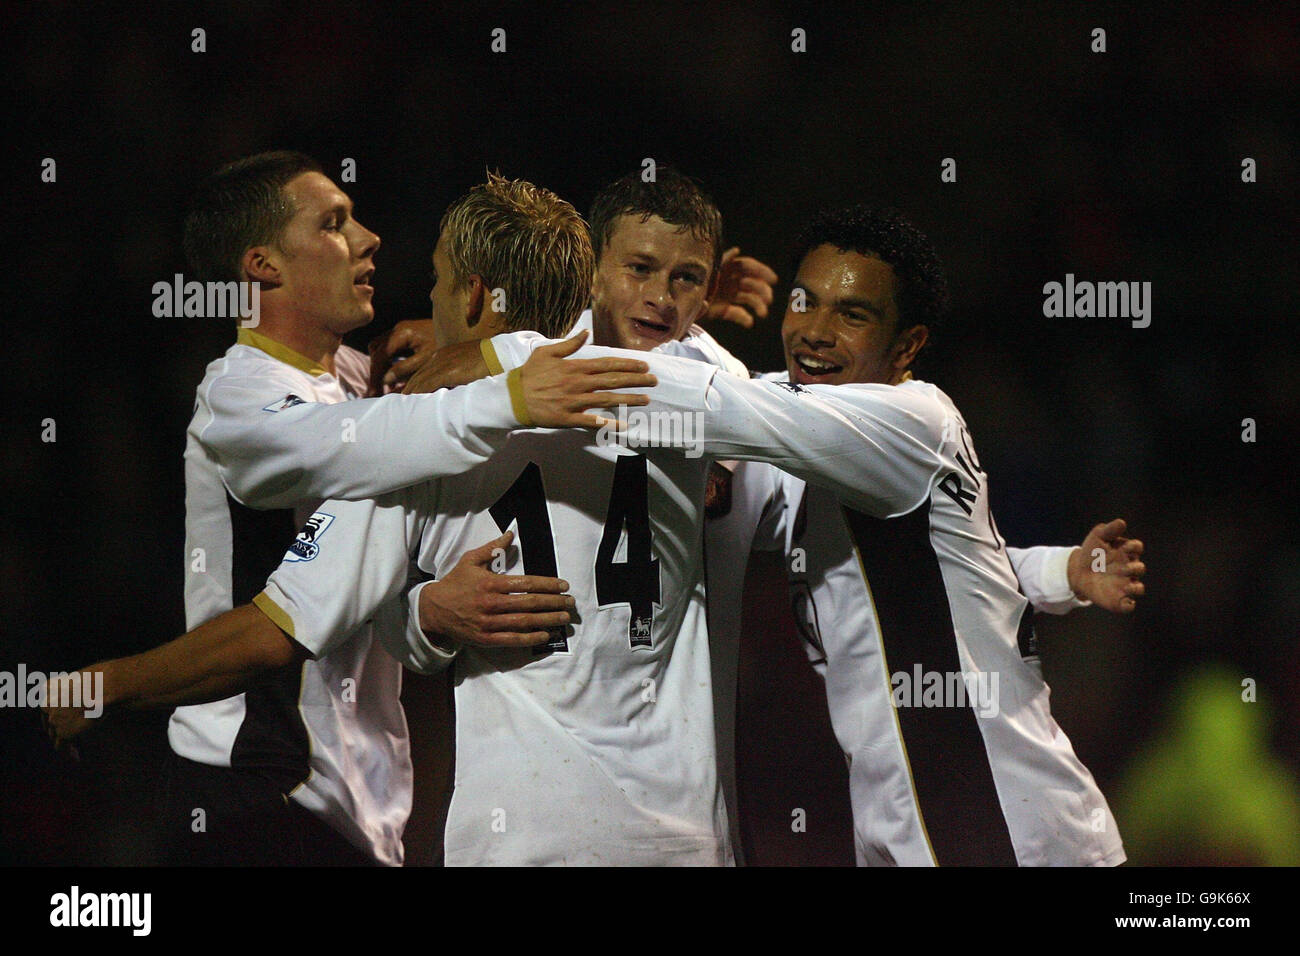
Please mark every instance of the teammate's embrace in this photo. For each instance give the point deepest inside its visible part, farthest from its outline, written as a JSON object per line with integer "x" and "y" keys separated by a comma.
{"x": 655, "y": 245}
{"x": 277, "y": 427}
{"x": 907, "y": 579}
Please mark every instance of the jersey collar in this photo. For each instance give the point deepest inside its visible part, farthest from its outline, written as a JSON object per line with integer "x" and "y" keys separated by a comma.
{"x": 278, "y": 350}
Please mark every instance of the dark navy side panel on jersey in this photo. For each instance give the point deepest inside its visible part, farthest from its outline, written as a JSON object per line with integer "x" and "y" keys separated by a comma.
{"x": 957, "y": 798}
{"x": 272, "y": 739}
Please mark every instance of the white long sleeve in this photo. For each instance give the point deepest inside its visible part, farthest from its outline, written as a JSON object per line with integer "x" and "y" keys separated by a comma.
{"x": 357, "y": 560}
{"x": 1043, "y": 572}
{"x": 874, "y": 445}
{"x": 277, "y": 457}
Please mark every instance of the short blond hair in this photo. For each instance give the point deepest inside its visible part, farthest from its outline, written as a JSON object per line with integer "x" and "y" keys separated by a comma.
{"x": 527, "y": 241}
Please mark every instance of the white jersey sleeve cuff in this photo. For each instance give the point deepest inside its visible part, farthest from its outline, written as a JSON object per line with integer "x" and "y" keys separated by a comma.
{"x": 276, "y": 605}
{"x": 418, "y": 653}
{"x": 1044, "y": 577}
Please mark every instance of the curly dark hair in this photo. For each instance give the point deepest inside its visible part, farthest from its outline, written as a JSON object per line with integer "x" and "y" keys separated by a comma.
{"x": 673, "y": 196}
{"x": 885, "y": 234}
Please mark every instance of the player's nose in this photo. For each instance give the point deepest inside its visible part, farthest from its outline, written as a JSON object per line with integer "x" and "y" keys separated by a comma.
{"x": 367, "y": 242}
{"x": 816, "y": 329}
{"x": 657, "y": 293}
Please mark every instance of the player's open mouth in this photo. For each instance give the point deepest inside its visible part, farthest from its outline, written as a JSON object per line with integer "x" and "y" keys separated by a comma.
{"x": 363, "y": 280}
{"x": 651, "y": 329}
{"x": 812, "y": 369}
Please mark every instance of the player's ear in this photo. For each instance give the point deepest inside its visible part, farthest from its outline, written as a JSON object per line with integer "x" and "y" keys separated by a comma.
{"x": 907, "y": 344}
{"x": 475, "y": 300}
{"x": 260, "y": 264}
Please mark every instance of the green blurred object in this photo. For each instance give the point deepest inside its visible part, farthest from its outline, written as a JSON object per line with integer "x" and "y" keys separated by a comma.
{"x": 1207, "y": 790}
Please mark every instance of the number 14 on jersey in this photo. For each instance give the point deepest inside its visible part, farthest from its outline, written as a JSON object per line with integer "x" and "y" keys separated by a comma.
{"x": 633, "y": 581}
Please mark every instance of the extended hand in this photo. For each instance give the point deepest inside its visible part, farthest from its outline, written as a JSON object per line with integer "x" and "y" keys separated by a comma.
{"x": 742, "y": 291}
{"x": 557, "y": 390}
{"x": 64, "y": 721}
{"x": 1107, "y": 568}
{"x": 475, "y": 605}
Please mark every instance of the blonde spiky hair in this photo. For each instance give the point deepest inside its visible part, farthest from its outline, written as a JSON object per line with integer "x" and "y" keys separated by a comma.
{"x": 527, "y": 241}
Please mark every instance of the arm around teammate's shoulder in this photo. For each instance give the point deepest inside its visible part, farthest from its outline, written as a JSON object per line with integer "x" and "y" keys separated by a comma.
{"x": 275, "y": 449}
{"x": 549, "y": 388}
{"x": 876, "y": 446}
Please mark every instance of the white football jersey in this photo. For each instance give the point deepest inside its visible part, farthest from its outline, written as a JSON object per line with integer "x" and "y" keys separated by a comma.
{"x": 758, "y": 519}
{"x": 910, "y": 604}
{"x": 598, "y": 749}
{"x": 933, "y": 684}
{"x": 756, "y": 503}
{"x": 270, "y": 437}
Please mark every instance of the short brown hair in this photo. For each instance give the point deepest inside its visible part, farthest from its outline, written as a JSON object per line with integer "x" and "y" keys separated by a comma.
{"x": 527, "y": 241}
{"x": 673, "y": 196}
{"x": 239, "y": 206}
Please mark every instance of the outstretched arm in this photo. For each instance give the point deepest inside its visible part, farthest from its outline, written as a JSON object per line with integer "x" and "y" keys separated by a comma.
{"x": 873, "y": 445}
{"x": 1107, "y": 568}
{"x": 305, "y": 450}
{"x": 225, "y": 656}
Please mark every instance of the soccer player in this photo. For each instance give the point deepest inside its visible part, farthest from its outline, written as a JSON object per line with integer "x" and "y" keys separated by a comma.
{"x": 660, "y": 269}
{"x": 271, "y": 432}
{"x": 923, "y": 590}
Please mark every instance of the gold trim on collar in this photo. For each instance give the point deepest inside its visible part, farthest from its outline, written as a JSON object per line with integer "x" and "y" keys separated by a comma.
{"x": 278, "y": 350}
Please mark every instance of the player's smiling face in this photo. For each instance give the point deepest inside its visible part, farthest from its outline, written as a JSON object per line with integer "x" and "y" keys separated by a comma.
{"x": 651, "y": 283}
{"x": 848, "y": 330}
{"x": 326, "y": 257}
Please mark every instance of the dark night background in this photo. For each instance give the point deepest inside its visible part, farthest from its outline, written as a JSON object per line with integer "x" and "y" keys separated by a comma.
{"x": 1124, "y": 165}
